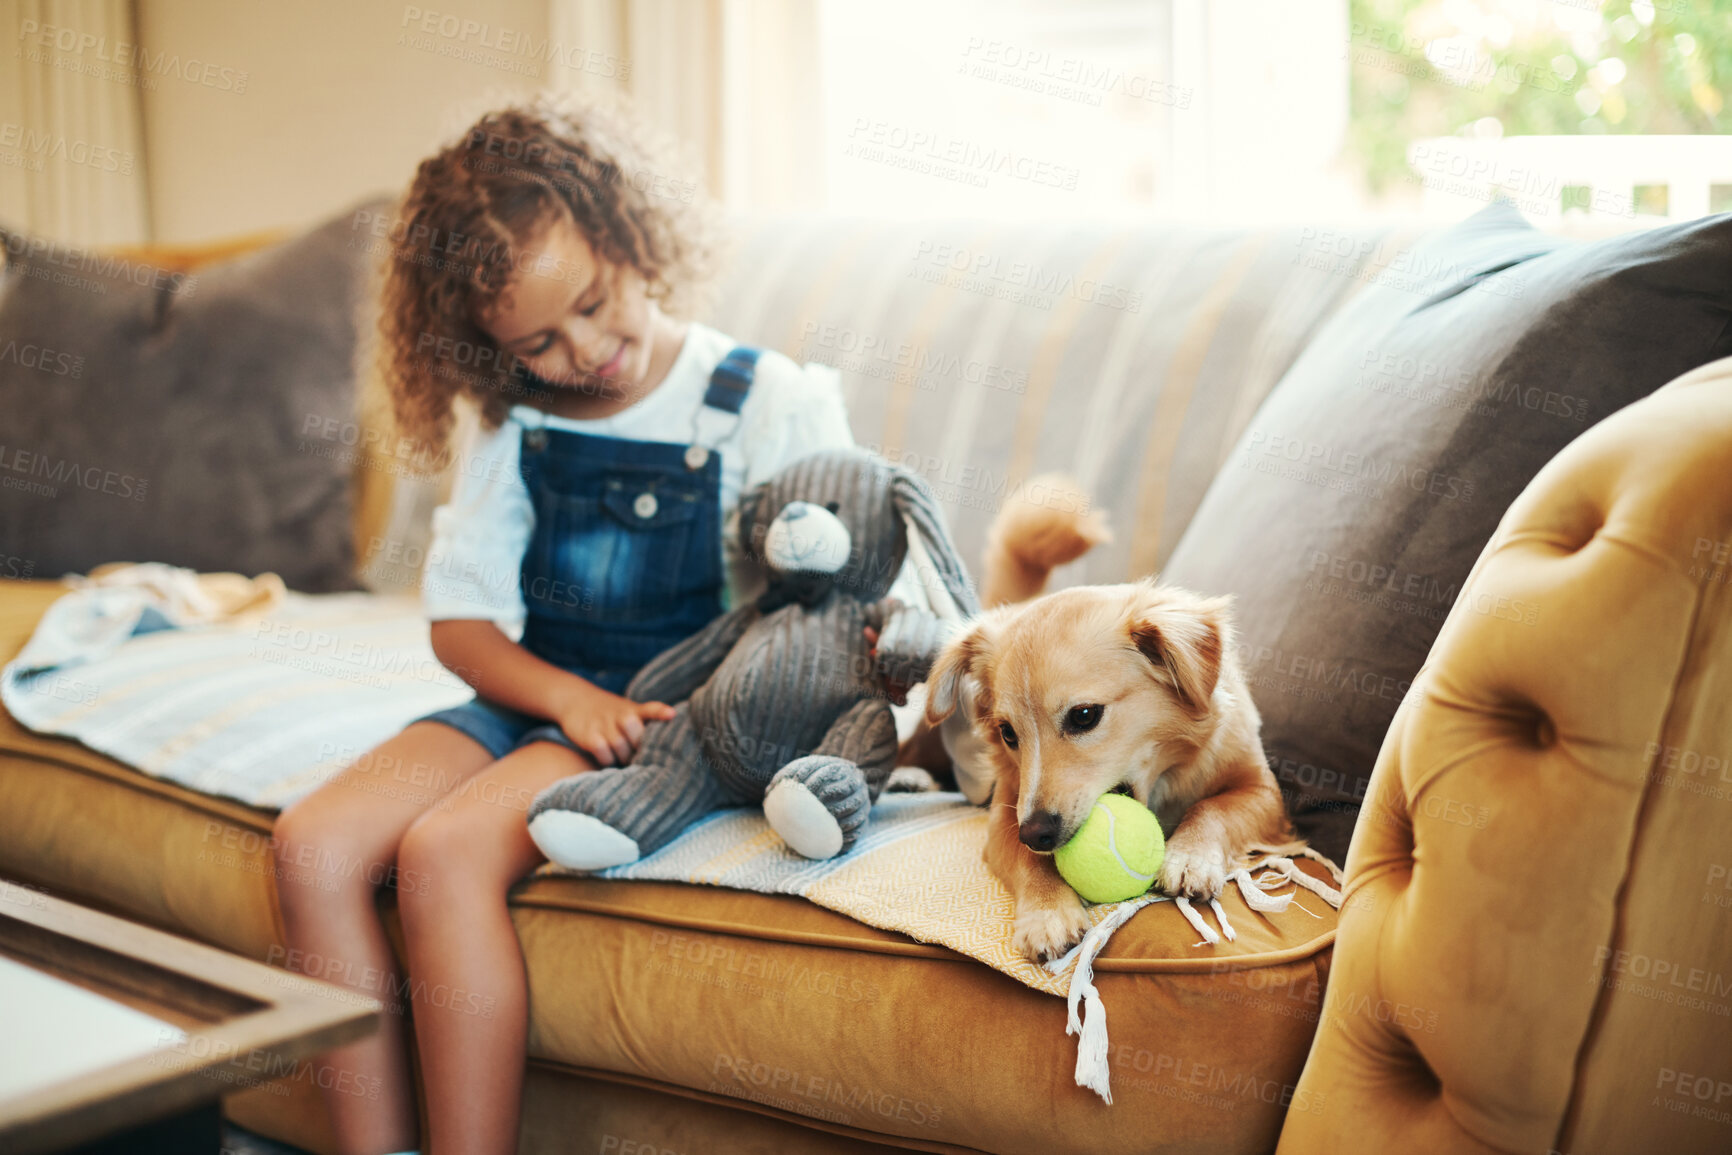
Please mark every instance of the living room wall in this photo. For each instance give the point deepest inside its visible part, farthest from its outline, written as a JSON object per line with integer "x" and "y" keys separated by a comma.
{"x": 311, "y": 105}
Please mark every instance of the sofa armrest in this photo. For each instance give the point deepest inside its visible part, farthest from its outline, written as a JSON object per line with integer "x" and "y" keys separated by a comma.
{"x": 1535, "y": 951}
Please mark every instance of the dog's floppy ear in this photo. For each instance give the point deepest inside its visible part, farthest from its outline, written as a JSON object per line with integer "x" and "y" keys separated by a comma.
{"x": 1185, "y": 638}
{"x": 914, "y": 501}
{"x": 961, "y": 658}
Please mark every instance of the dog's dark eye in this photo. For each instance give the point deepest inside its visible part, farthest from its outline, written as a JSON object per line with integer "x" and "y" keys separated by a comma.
{"x": 832, "y": 506}
{"x": 1006, "y": 732}
{"x": 1082, "y": 719}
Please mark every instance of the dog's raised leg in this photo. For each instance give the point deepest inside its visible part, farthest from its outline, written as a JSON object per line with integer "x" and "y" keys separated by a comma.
{"x": 1216, "y": 830}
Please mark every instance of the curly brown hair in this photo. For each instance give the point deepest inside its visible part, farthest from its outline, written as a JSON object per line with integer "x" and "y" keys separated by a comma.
{"x": 464, "y": 229}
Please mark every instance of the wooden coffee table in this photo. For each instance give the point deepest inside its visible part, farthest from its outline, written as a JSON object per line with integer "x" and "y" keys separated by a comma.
{"x": 118, "y": 1038}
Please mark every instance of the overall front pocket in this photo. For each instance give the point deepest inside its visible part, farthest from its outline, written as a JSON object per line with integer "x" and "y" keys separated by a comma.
{"x": 621, "y": 552}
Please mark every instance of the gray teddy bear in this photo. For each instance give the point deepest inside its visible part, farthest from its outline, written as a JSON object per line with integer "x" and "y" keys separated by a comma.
{"x": 779, "y": 702}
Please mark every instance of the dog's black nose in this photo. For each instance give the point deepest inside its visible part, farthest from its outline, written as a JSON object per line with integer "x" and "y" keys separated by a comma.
{"x": 1040, "y": 832}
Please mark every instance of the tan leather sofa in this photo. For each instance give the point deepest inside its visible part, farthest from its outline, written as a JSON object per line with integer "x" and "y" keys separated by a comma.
{"x": 1533, "y": 851}
{"x": 1534, "y": 952}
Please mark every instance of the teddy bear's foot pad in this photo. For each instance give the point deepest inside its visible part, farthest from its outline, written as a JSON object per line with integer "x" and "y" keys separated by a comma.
{"x": 818, "y": 804}
{"x": 580, "y": 841}
{"x": 804, "y": 823}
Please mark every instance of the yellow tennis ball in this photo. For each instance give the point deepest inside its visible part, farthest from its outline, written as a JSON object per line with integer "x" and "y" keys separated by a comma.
{"x": 1116, "y": 852}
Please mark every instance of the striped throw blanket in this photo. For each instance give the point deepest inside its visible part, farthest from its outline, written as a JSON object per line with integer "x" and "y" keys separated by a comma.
{"x": 261, "y": 709}
{"x": 264, "y": 709}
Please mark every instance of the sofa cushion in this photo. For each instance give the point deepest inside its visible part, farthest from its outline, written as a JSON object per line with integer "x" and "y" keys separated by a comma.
{"x": 983, "y": 355}
{"x": 773, "y": 1002}
{"x": 243, "y": 374}
{"x": 1364, "y": 488}
{"x": 728, "y": 996}
{"x": 1596, "y": 1018}
{"x": 567, "y": 1110}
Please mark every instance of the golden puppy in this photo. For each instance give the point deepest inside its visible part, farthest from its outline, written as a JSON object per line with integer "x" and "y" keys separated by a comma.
{"x": 1099, "y": 688}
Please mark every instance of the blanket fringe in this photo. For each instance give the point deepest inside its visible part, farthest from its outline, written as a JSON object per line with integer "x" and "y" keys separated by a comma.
{"x": 1221, "y": 917}
{"x": 1087, "y": 1014}
{"x": 1196, "y": 920}
{"x": 1256, "y": 894}
{"x": 1090, "y": 1025}
{"x": 1316, "y": 886}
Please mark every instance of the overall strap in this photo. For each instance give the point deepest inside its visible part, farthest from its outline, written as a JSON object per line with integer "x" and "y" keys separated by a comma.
{"x": 732, "y": 379}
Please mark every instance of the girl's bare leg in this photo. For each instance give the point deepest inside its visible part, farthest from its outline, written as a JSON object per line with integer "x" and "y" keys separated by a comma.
{"x": 471, "y": 998}
{"x": 334, "y": 849}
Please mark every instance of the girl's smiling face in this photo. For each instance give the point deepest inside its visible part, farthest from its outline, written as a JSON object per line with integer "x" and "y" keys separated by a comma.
{"x": 582, "y": 323}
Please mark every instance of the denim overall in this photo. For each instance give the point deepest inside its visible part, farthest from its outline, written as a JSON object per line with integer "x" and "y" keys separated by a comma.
{"x": 625, "y": 559}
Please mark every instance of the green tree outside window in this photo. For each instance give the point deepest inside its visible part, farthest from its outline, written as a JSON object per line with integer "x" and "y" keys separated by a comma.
{"x": 1561, "y": 67}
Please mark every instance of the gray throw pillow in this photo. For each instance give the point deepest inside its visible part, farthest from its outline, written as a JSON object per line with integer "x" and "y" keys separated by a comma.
{"x": 154, "y": 416}
{"x": 1363, "y": 490}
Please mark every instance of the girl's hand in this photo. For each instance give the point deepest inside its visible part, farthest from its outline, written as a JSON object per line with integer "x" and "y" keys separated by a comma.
{"x": 606, "y": 726}
{"x": 896, "y": 691}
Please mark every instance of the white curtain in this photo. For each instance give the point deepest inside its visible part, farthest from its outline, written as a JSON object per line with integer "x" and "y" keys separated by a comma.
{"x": 72, "y": 162}
{"x": 1268, "y": 109}
{"x": 735, "y": 80}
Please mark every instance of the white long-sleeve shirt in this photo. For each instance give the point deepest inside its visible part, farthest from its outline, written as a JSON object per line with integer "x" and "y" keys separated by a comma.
{"x": 481, "y": 534}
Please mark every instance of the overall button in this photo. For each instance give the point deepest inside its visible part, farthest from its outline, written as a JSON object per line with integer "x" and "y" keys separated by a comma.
{"x": 535, "y": 438}
{"x": 645, "y": 505}
{"x": 696, "y": 457}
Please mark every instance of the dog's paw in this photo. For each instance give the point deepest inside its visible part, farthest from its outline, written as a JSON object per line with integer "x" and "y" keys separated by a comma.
{"x": 910, "y": 780}
{"x": 1194, "y": 872}
{"x": 1044, "y": 932}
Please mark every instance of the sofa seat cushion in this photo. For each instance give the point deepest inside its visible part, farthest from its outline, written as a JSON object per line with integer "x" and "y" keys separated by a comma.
{"x": 99, "y": 832}
{"x": 780, "y": 1005}
{"x": 768, "y": 1001}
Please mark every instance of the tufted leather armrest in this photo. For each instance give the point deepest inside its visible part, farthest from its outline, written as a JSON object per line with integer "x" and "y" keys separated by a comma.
{"x": 1535, "y": 951}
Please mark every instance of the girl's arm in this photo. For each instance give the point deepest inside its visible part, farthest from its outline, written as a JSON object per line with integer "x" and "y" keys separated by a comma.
{"x": 605, "y": 726}
{"x": 470, "y": 592}
{"x": 470, "y": 586}
{"x": 502, "y": 671}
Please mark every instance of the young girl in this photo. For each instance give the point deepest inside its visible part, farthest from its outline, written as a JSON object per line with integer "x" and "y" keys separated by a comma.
{"x": 588, "y": 529}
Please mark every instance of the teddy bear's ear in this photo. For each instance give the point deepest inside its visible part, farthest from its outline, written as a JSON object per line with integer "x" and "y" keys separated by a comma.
{"x": 919, "y": 508}
{"x": 750, "y": 510}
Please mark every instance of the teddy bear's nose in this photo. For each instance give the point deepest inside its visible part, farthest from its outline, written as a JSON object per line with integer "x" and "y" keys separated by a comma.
{"x": 795, "y": 511}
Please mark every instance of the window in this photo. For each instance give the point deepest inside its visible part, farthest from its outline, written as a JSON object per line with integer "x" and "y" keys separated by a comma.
{"x": 1256, "y": 110}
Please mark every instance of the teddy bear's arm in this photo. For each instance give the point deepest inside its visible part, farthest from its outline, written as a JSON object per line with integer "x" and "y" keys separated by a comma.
{"x": 675, "y": 674}
{"x": 909, "y": 641}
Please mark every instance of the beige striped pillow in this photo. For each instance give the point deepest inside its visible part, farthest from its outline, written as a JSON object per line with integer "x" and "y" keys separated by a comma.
{"x": 981, "y": 355}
